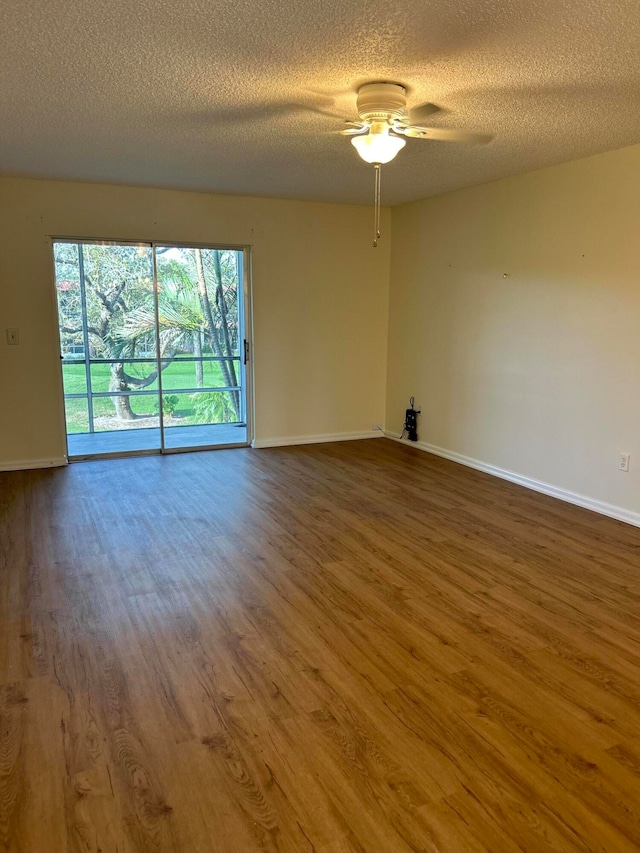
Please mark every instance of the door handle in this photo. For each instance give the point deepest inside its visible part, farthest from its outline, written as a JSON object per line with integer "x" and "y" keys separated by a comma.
{"x": 246, "y": 350}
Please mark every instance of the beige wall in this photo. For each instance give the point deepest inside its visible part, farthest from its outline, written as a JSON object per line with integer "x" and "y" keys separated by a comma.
{"x": 536, "y": 373}
{"x": 320, "y": 302}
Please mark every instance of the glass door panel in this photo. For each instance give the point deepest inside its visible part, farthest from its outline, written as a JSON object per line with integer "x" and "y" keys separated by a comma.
{"x": 201, "y": 333}
{"x": 106, "y": 311}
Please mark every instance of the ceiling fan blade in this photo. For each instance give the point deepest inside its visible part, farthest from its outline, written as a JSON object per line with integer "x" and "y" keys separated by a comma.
{"x": 420, "y": 112}
{"x": 445, "y": 134}
{"x": 253, "y": 113}
{"x": 321, "y": 112}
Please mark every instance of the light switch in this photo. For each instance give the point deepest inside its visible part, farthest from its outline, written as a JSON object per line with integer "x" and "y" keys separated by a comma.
{"x": 13, "y": 337}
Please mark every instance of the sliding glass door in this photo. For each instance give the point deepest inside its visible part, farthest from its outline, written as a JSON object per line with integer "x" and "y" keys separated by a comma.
{"x": 153, "y": 346}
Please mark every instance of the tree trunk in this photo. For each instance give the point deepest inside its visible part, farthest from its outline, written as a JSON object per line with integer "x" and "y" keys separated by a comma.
{"x": 222, "y": 305}
{"x": 197, "y": 351}
{"x": 213, "y": 332}
{"x": 118, "y": 382}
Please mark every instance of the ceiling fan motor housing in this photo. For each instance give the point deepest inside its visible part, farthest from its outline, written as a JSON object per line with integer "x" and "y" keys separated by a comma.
{"x": 381, "y": 101}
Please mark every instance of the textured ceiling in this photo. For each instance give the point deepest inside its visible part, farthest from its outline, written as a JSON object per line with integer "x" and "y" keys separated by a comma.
{"x": 206, "y": 95}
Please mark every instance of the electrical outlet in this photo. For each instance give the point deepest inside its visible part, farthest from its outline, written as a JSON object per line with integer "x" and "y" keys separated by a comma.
{"x": 624, "y": 461}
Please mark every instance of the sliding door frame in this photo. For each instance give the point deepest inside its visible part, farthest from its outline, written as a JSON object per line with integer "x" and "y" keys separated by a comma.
{"x": 245, "y": 339}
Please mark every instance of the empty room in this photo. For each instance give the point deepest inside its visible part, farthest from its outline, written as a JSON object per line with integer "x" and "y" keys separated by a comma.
{"x": 320, "y": 427}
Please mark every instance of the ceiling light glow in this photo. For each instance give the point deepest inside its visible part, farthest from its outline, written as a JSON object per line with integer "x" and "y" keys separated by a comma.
{"x": 378, "y": 145}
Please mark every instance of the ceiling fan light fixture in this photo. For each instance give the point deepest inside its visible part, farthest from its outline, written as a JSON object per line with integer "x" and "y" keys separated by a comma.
{"x": 378, "y": 146}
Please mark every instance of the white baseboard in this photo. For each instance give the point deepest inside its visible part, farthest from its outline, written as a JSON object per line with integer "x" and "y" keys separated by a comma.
{"x": 601, "y": 507}
{"x": 27, "y": 464}
{"x": 315, "y": 439}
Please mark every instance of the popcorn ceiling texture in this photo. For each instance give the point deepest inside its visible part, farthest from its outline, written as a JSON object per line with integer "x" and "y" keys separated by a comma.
{"x": 223, "y": 97}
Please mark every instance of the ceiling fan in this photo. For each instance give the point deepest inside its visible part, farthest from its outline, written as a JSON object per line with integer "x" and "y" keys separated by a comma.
{"x": 383, "y": 128}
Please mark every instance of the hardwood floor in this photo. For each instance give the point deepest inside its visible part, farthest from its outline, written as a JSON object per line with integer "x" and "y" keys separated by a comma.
{"x": 331, "y": 648}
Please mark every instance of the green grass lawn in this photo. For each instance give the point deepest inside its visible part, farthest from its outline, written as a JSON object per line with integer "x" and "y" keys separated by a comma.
{"x": 180, "y": 374}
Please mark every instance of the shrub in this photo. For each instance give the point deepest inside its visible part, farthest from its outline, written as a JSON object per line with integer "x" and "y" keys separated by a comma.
{"x": 213, "y": 407}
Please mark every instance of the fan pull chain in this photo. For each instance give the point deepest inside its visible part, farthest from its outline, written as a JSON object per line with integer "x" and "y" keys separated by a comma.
{"x": 376, "y": 205}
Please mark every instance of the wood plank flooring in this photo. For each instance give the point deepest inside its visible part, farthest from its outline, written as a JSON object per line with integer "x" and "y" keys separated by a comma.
{"x": 332, "y": 648}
